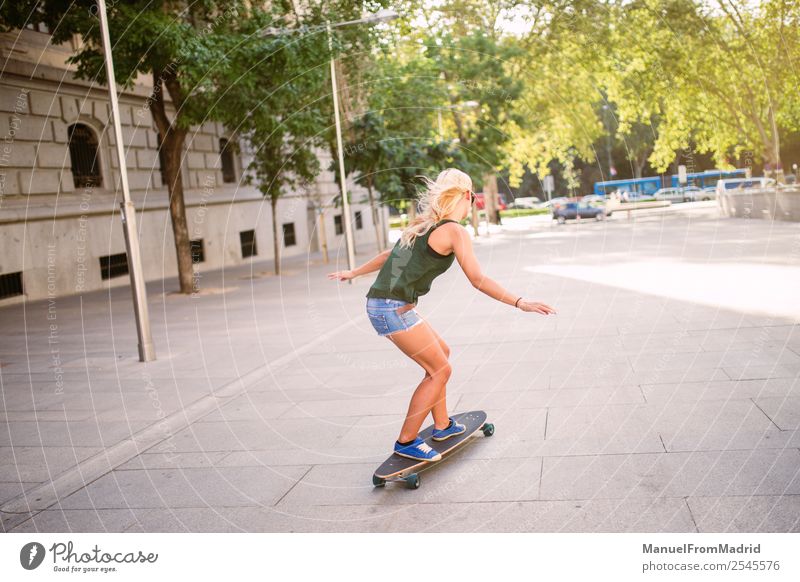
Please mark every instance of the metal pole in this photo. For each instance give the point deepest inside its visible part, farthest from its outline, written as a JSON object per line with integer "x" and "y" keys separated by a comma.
{"x": 348, "y": 234}
{"x": 146, "y": 348}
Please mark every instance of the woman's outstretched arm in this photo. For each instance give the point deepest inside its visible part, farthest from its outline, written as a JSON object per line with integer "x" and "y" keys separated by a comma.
{"x": 372, "y": 265}
{"x": 462, "y": 246}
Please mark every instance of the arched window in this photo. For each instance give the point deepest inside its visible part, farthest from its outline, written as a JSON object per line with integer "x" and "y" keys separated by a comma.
{"x": 226, "y": 157}
{"x": 83, "y": 155}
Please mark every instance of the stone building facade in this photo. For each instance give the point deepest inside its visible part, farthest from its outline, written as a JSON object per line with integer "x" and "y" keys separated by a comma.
{"x": 60, "y": 228}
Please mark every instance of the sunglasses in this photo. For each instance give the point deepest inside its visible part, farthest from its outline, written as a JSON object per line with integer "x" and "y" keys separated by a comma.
{"x": 471, "y": 196}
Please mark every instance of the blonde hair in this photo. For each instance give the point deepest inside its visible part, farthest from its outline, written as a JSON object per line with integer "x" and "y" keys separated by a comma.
{"x": 439, "y": 198}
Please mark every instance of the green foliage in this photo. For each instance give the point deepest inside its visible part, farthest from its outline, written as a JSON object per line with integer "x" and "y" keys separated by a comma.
{"x": 680, "y": 74}
{"x": 480, "y": 90}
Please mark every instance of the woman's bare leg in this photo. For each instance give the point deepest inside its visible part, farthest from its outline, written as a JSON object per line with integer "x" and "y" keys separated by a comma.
{"x": 440, "y": 408}
{"x": 421, "y": 344}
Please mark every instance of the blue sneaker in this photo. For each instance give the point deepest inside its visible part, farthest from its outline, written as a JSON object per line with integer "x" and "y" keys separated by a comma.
{"x": 450, "y": 431}
{"x": 418, "y": 450}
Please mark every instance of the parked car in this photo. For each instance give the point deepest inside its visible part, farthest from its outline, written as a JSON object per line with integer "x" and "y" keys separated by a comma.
{"x": 743, "y": 184}
{"x": 480, "y": 203}
{"x": 553, "y": 201}
{"x": 709, "y": 193}
{"x": 606, "y": 203}
{"x": 626, "y": 196}
{"x": 572, "y": 210}
{"x": 681, "y": 194}
{"x": 594, "y": 199}
{"x": 527, "y": 203}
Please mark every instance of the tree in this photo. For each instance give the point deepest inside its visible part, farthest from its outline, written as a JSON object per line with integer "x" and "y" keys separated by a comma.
{"x": 184, "y": 47}
{"x": 365, "y": 156}
{"x": 735, "y": 84}
{"x": 406, "y": 160}
{"x": 481, "y": 90}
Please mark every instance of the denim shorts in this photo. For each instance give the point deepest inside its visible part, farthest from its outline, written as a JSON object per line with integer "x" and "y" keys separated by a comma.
{"x": 386, "y": 320}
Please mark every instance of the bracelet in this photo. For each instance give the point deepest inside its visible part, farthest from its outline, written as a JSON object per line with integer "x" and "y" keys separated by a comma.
{"x": 517, "y": 301}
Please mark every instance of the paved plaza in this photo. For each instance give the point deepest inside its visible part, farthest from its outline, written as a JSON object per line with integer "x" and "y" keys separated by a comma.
{"x": 663, "y": 396}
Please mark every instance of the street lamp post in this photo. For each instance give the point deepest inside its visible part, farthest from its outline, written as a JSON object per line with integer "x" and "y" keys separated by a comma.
{"x": 351, "y": 255}
{"x": 380, "y": 16}
{"x": 128, "y": 211}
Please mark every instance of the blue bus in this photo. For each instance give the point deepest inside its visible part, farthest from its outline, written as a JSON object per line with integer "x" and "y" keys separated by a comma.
{"x": 649, "y": 186}
{"x": 644, "y": 186}
{"x": 708, "y": 178}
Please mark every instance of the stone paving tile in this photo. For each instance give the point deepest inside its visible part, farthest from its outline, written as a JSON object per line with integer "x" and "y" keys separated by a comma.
{"x": 746, "y": 513}
{"x": 716, "y": 359}
{"x": 11, "y": 489}
{"x": 356, "y": 407}
{"x": 660, "y": 515}
{"x": 186, "y": 487}
{"x": 38, "y": 464}
{"x": 692, "y": 374}
{"x": 454, "y": 480}
{"x": 715, "y": 425}
{"x": 601, "y": 377}
{"x": 617, "y": 428}
{"x": 598, "y": 515}
{"x": 79, "y": 520}
{"x": 368, "y": 453}
{"x": 707, "y": 473}
{"x": 62, "y": 414}
{"x": 721, "y": 390}
{"x": 242, "y": 435}
{"x": 771, "y": 332}
{"x": 57, "y": 434}
{"x": 630, "y": 394}
{"x": 783, "y": 411}
{"x": 147, "y": 461}
{"x": 753, "y": 372}
{"x": 250, "y": 406}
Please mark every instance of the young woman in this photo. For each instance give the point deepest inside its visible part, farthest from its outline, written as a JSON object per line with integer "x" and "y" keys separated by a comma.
{"x": 426, "y": 249}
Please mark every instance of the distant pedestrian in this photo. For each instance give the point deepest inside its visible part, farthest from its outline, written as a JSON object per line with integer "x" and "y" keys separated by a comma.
{"x": 426, "y": 249}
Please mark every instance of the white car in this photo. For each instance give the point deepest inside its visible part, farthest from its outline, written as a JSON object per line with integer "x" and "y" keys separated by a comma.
{"x": 743, "y": 183}
{"x": 685, "y": 194}
{"x": 548, "y": 204}
{"x": 529, "y": 202}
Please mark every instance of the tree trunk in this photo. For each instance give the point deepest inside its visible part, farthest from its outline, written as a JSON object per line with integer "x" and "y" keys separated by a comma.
{"x": 639, "y": 163}
{"x": 775, "y": 150}
{"x": 275, "y": 238}
{"x": 375, "y": 220}
{"x": 490, "y": 199}
{"x": 173, "y": 148}
{"x": 172, "y": 141}
{"x": 323, "y": 234}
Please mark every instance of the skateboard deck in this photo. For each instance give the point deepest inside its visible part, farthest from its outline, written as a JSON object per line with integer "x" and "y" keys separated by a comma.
{"x": 399, "y": 468}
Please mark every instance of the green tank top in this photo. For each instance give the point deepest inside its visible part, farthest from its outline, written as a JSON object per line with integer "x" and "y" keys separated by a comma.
{"x": 408, "y": 273}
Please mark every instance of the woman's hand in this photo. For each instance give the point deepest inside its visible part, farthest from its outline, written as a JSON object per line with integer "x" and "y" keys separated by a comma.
{"x": 341, "y": 275}
{"x": 535, "y": 307}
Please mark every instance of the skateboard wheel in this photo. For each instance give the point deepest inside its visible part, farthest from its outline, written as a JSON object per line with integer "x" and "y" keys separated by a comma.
{"x": 412, "y": 481}
{"x": 488, "y": 429}
{"x": 377, "y": 481}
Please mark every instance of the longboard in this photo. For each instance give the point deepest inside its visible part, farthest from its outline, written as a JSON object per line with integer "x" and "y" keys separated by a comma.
{"x": 398, "y": 468}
